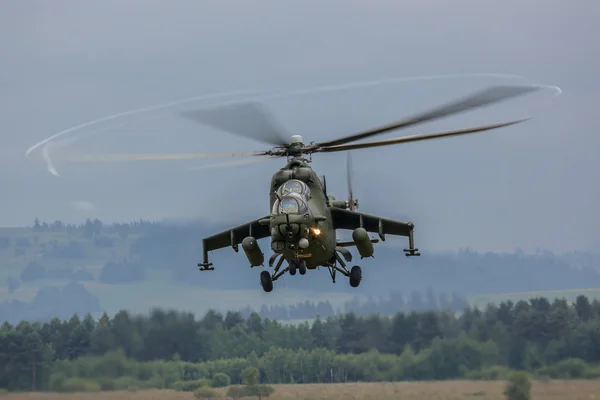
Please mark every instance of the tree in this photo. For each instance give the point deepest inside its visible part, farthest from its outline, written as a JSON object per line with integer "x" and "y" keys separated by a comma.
{"x": 518, "y": 386}
{"x": 250, "y": 376}
{"x": 205, "y": 393}
{"x": 236, "y": 392}
{"x": 403, "y": 332}
{"x": 220, "y": 379}
{"x": 583, "y": 308}
{"x": 251, "y": 379}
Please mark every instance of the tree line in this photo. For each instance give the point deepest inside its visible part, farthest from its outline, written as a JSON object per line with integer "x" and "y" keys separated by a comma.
{"x": 394, "y": 303}
{"x": 95, "y": 227}
{"x": 553, "y": 338}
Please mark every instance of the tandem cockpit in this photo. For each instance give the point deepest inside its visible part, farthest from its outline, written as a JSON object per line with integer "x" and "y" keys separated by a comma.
{"x": 293, "y": 198}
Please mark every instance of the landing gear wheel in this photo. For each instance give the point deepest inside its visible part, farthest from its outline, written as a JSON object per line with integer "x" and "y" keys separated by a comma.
{"x": 265, "y": 281}
{"x": 292, "y": 270}
{"x": 355, "y": 276}
{"x": 302, "y": 267}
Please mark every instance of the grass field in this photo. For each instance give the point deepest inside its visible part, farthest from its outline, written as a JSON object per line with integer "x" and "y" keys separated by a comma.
{"x": 450, "y": 390}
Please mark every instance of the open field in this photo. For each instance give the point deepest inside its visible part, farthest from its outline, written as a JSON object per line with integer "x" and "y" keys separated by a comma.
{"x": 449, "y": 390}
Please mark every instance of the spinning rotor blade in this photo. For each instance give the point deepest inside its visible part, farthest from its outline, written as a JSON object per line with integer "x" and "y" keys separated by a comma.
{"x": 248, "y": 119}
{"x": 149, "y": 157}
{"x": 349, "y": 172}
{"x": 350, "y": 178}
{"x": 479, "y": 99}
{"x": 225, "y": 164}
{"x": 416, "y": 138}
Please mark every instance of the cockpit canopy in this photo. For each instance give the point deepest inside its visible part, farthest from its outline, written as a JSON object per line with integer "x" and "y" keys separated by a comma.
{"x": 294, "y": 196}
{"x": 292, "y": 203}
{"x": 295, "y": 186}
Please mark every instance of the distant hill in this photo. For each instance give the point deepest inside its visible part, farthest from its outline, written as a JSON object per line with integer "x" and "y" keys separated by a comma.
{"x": 143, "y": 264}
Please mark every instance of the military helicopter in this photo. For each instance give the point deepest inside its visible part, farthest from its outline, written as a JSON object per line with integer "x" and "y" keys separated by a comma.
{"x": 304, "y": 217}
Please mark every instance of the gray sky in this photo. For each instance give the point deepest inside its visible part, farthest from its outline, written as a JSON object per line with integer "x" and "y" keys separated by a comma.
{"x": 535, "y": 185}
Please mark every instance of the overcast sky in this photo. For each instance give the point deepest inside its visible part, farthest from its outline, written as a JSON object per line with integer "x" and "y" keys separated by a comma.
{"x": 64, "y": 63}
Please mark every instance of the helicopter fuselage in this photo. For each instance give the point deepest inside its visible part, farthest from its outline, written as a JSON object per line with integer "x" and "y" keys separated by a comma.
{"x": 302, "y": 226}
{"x": 300, "y": 222}
{"x": 304, "y": 218}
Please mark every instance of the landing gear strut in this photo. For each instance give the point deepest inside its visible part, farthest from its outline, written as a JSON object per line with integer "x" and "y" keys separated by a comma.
{"x": 337, "y": 264}
{"x": 355, "y": 274}
{"x": 267, "y": 279}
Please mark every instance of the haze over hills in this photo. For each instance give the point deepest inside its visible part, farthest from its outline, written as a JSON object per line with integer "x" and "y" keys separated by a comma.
{"x": 56, "y": 269}
{"x": 492, "y": 191}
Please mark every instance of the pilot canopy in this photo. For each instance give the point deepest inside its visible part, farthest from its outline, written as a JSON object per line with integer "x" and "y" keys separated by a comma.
{"x": 294, "y": 195}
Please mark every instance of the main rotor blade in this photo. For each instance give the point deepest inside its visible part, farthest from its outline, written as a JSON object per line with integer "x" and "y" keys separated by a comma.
{"x": 416, "y": 138}
{"x": 225, "y": 164}
{"x": 479, "y": 99}
{"x": 148, "y": 157}
{"x": 349, "y": 177}
{"x": 247, "y": 119}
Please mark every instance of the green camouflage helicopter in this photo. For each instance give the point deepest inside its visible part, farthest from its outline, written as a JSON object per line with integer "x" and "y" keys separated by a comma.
{"x": 304, "y": 217}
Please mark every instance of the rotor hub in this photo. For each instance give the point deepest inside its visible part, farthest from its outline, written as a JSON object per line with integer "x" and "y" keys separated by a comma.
{"x": 296, "y": 140}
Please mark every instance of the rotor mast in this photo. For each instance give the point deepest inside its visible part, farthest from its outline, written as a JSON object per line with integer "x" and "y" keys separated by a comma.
{"x": 296, "y": 148}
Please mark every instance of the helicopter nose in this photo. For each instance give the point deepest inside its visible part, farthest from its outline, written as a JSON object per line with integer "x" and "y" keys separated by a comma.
{"x": 290, "y": 230}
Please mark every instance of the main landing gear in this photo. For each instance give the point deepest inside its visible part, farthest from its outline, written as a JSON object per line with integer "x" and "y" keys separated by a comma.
{"x": 267, "y": 279}
{"x": 337, "y": 264}
{"x": 354, "y": 275}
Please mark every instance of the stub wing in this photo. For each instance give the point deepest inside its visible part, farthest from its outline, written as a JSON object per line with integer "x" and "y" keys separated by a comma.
{"x": 350, "y": 220}
{"x": 233, "y": 237}
{"x": 346, "y": 219}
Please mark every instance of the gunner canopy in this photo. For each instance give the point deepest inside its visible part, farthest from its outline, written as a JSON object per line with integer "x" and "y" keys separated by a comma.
{"x": 294, "y": 196}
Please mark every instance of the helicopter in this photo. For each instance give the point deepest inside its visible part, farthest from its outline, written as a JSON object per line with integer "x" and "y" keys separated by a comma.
{"x": 304, "y": 218}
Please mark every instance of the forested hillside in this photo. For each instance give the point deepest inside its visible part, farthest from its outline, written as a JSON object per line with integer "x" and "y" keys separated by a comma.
{"x": 75, "y": 299}
{"x": 57, "y": 269}
{"x": 168, "y": 348}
